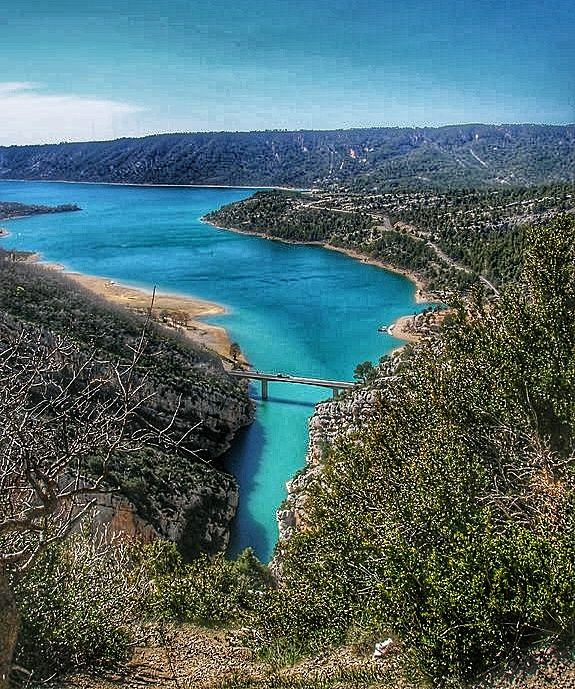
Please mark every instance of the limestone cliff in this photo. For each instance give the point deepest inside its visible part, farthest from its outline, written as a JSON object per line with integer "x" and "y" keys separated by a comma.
{"x": 183, "y": 498}
{"x": 196, "y": 514}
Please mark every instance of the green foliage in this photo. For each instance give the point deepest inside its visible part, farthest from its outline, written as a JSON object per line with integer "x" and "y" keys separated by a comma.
{"x": 280, "y": 214}
{"x": 205, "y": 591}
{"x": 334, "y": 678}
{"x": 10, "y": 209}
{"x": 364, "y": 372}
{"x": 368, "y": 159}
{"x": 450, "y": 518}
{"x": 75, "y": 604}
{"x": 82, "y": 599}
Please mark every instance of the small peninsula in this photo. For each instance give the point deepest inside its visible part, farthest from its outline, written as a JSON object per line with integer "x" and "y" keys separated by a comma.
{"x": 444, "y": 241}
{"x": 10, "y": 209}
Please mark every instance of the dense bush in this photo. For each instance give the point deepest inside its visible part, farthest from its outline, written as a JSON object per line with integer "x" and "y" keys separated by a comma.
{"x": 75, "y": 605}
{"x": 83, "y": 600}
{"x": 449, "y": 521}
{"x": 206, "y": 591}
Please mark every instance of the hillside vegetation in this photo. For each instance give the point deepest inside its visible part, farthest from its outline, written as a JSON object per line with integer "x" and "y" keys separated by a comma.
{"x": 447, "y": 521}
{"x": 449, "y": 239}
{"x": 10, "y": 209}
{"x": 365, "y": 159}
{"x": 178, "y": 379}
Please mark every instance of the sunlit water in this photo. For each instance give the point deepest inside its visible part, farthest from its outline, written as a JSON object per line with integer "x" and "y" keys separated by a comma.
{"x": 293, "y": 309}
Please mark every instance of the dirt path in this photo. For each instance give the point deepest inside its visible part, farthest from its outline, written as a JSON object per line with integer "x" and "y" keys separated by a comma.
{"x": 185, "y": 657}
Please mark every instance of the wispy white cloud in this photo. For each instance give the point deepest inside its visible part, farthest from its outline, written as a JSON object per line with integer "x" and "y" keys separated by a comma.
{"x": 28, "y": 114}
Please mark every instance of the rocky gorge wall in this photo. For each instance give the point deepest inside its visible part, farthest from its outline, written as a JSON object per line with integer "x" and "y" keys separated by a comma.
{"x": 186, "y": 407}
{"x": 340, "y": 417}
{"x": 195, "y": 515}
{"x": 185, "y": 498}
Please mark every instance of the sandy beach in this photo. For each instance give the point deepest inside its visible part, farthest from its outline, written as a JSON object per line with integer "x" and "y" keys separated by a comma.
{"x": 402, "y": 330}
{"x": 173, "y": 311}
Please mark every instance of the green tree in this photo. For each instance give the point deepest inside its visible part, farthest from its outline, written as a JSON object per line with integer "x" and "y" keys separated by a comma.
{"x": 364, "y": 371}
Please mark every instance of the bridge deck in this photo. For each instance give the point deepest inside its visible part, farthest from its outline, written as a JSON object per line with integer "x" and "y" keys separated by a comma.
{"x": 335, "y": 385}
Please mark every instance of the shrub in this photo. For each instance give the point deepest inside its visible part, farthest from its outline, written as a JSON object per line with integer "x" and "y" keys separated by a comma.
{"x": 205, "y": 591}
{"x": 75, "y": 605}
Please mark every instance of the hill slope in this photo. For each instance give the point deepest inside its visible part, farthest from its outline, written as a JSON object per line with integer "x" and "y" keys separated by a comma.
{"x": 462, "y": 155}
{"x": 181, "y": 497}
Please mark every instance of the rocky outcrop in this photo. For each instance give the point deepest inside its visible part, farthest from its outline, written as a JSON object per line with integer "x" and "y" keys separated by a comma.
{"x": 185, "y": 498}
{"x": 196, "y": 514}
{"x": 340, "y": 417}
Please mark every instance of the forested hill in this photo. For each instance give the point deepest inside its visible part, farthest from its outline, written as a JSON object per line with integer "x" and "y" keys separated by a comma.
{"x": 9, "y": 209}
{"x": 454, "y": 156}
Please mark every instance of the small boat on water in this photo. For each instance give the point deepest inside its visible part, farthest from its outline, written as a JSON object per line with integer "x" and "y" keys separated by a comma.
{"x": 386, "y": 329}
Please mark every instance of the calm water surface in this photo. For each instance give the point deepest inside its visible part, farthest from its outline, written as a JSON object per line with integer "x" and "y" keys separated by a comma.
{"x": 293, "y": 309}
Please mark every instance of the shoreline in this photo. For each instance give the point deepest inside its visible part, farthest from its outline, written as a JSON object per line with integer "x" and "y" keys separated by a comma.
{"x": 171, "y": 311}
{"x": 401, "y": 329}
{"x": 152, "y": 184}
{"x": 398, "y": 328}
{"x": 174, "y": 312}
{"x": 187, "y": 310}
{"x": 421, "y": 295}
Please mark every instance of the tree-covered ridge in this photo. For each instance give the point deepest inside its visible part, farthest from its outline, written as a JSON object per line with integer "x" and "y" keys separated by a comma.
{"x": 11, "y": 209}
{"x": 448, "y": 239}
{"x": 290, "y": 216}
{"x": 448, "y": 520}
{"x": 181, "y": 386}
{"x": 366, "y": 159}
{"x": 299, "y": 218}
{"x": 482, "y": 230}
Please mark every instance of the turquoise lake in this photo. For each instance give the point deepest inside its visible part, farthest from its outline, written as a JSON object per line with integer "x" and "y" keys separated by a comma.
{"x": 293, "y": 309}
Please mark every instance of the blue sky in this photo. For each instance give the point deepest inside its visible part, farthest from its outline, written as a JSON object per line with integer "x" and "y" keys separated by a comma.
{"x": 73, "y": 71}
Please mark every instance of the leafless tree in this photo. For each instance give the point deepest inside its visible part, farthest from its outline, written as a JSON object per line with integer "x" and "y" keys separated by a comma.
{"x": 59, "y": 409}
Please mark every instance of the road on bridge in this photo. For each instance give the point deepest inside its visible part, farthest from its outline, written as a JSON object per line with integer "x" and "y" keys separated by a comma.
{"x": 335, "y": 385}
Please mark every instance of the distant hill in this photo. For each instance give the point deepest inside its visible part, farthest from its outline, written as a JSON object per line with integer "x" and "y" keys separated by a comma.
{"x": 379, "y": 158}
